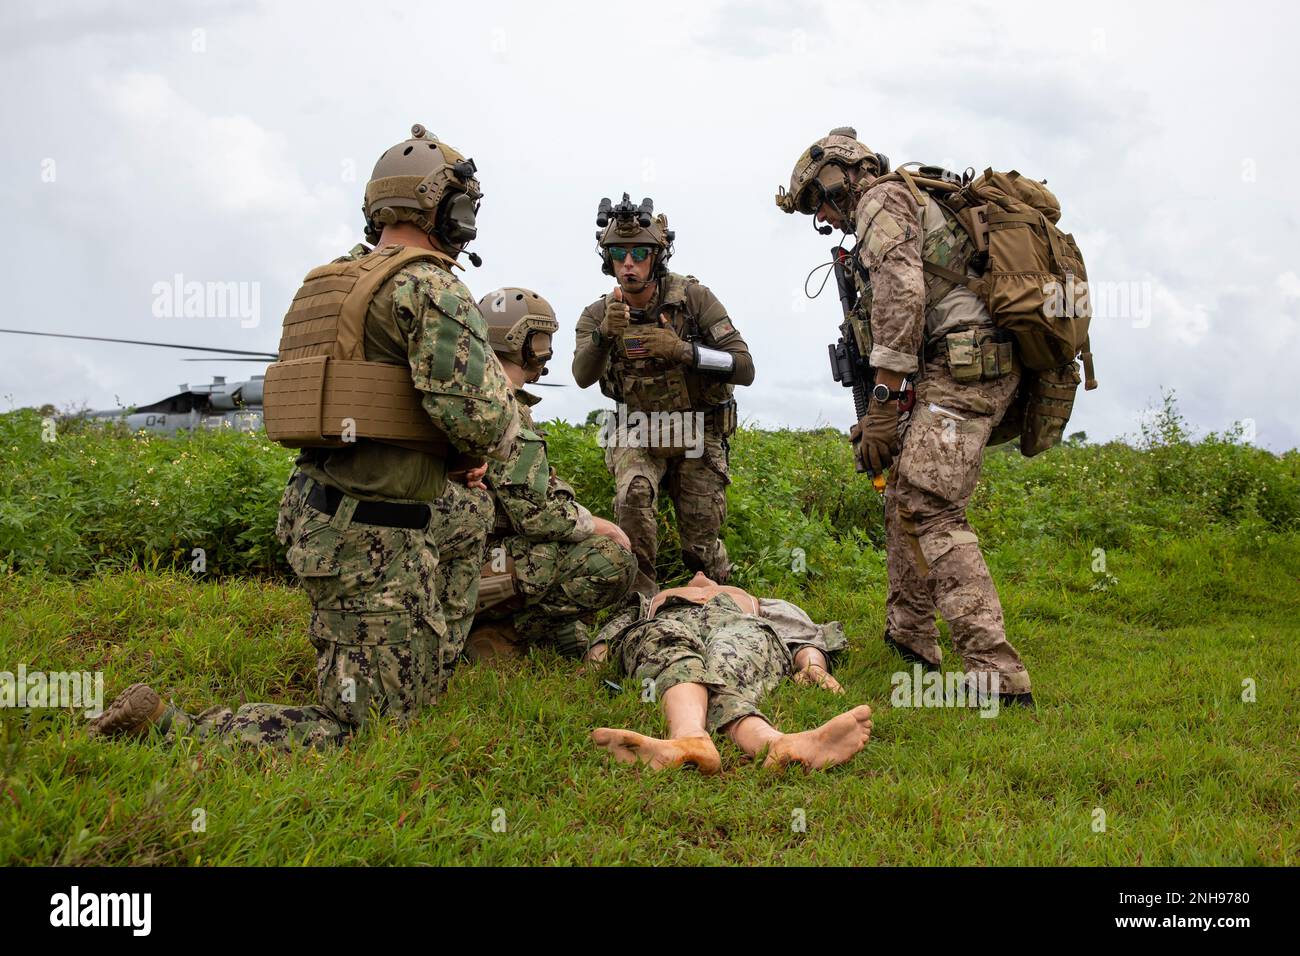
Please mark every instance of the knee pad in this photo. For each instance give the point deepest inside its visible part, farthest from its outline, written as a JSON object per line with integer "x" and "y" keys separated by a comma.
{"x": 639, "y": 493}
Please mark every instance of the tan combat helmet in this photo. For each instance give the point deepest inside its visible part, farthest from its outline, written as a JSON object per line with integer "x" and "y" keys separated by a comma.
{"x": 427, "y": 183}
{"x": 625, "y": 224}
{"x": 520, "y": 325}
{"x": 820, "y": 173}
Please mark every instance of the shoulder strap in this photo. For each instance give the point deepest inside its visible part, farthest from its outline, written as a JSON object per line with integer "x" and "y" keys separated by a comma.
{"x": 376, "y": 269}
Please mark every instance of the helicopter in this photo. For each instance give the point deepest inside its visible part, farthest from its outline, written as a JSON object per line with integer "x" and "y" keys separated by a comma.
{"x": 218, "y": 404}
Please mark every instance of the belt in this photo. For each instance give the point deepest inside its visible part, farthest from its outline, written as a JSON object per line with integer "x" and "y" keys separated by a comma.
{"x": 386, "y": 514}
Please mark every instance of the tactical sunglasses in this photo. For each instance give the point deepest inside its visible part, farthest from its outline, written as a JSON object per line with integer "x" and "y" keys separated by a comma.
{"x": 639, "y": 253}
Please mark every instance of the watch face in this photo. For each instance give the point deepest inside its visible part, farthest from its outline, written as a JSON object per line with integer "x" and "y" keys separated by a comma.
{"x": 880, "y": 392}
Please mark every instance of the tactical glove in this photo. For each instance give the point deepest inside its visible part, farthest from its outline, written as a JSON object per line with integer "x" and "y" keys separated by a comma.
{"x": 665, "y": 344}
{"x": 875, "y": 437}
{"x": 617, "y": 315}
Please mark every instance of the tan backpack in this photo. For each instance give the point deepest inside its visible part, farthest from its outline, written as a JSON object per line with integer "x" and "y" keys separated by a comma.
{"x": 1033, "y": 281}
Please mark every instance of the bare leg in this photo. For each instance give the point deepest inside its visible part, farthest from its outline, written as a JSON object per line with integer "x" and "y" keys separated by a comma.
{"x": 685, "y": 708}
{"x": 833, "y": 743}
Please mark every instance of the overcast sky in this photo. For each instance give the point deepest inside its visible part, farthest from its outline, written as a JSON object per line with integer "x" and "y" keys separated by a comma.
{"x": 231, "y": 142}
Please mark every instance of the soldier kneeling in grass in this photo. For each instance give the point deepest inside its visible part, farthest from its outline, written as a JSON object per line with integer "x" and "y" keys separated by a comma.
{"x": 710, "y": 652}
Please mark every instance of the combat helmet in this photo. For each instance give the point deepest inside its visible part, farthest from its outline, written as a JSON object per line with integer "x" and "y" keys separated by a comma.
{"x": 626, "y": 224}
{"x": 428, "y": 183}
{"x": 820, "y": 173}
{"x": 520, "y": 326}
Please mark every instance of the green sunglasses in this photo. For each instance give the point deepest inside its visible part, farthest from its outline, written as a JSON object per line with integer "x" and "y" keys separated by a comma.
{"x": 639, "y": 253}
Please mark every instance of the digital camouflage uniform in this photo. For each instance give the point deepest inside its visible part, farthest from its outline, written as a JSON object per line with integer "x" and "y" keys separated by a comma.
{"x": 697, "y": 486}
{"x": 739, "y": 657}
{"x": 388, "y": 615}
{"x": 563, "y": 570}
{"x": 942, "y": 335}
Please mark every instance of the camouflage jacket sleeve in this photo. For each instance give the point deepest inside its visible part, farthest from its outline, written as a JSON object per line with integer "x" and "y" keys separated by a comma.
{"x": 797, "y": 630}
{"x": 540, "y": 506}
{"x": 889, "y": 243}
{"x": 589, "y": 359}
{"x": 466, "y": 392}
{"x": 718, "y": 332}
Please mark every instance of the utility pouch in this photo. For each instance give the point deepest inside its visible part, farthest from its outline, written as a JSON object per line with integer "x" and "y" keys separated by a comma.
{"x": 725, "y": 418}
{"x": 979, "y": 355}
{"x": 496, "y": 588}
{"x": 1049, "y": 401}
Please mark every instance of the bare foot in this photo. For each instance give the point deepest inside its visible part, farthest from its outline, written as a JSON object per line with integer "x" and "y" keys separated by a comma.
{"x": 834, "y": 742}
{"x": 627, "y": 746}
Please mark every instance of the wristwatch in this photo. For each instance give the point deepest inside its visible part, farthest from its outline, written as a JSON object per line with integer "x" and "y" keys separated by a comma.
{"x": 881, "y": 393}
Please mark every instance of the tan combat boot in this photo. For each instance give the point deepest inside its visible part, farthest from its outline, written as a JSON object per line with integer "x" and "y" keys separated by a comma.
{"x": 493, "y": 640}
{"x": 132, "y": 714}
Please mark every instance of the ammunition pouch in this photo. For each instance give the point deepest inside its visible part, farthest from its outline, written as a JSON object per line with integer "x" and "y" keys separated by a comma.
{"x": 1049, "y": 400}
{"x": 979, "y": 355}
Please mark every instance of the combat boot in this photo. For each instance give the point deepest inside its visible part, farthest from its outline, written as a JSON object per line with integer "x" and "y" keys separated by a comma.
{"x": 493, "y": 640}
{"x": 1019, "y": 700}
{"x": 909, "y": 655}
{"x": 133, "y": 713}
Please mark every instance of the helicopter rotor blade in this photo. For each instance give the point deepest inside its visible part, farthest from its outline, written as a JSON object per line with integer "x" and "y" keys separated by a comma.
{"x": 161, "y": 345}
{"x": 217, "y": 358}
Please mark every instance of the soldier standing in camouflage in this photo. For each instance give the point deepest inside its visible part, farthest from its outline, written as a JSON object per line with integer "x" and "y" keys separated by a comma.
{"x": 938, "y": 332}
{"x": 356, "y": 516}
{"x": 662, "y": 343}
{"x": 710, "y": 653}
{"x": 549, "y": 561}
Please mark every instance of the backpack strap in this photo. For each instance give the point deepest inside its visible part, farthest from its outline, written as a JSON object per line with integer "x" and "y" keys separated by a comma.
{"x": 376, "y": 269}
{"x": 974, "y": 283}
{"x": 1089, "y": 375}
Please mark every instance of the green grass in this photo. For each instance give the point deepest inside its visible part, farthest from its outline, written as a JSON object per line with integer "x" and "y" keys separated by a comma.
{"x": 1138, "y": 672}
{"x": 1140, "y": 714}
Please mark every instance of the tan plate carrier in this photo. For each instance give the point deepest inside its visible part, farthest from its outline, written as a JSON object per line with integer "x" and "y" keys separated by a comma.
{"x": 322, "y": 393}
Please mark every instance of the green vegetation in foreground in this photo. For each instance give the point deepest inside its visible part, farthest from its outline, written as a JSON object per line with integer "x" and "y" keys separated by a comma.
{"x": 1138, "y": 668}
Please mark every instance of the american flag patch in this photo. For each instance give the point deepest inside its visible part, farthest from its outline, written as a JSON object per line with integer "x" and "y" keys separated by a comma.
{"x": 632, "y": 346}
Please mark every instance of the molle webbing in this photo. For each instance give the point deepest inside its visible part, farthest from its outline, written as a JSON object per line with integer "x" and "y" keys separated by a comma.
{"x": 322, "y": 380}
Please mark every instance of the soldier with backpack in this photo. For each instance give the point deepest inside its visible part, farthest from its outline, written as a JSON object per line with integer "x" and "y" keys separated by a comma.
{"x": 958, "y": 283}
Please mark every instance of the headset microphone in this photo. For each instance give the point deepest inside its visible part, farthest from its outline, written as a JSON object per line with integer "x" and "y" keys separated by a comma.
{"x": 475, "y": 258}
{"x": 824, "y": 230}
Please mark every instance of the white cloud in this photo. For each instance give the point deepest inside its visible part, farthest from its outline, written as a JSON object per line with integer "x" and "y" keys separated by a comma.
{"x": 229, "y": 165}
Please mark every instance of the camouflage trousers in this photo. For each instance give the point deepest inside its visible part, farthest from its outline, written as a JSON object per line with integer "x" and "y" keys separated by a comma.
{"x": 377, "y": 621}
{"x": 737, "y": 656}
{"x": 462, "y": 519}
{"x": 933, "y": 557}
{"x": 558, "y": 583}
{"x": 697, "y": 488}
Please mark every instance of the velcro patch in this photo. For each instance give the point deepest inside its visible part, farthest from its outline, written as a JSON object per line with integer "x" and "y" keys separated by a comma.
{"x": 882, "y": 230}
{"x": 720, "y": 330}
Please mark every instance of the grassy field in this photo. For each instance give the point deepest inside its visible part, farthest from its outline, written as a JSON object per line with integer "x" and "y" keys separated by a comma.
{"x": 1147, "y": 588}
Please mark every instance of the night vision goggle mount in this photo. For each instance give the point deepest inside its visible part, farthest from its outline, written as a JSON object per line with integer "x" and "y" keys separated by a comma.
{"x": 629, "y": 224}
{"x": 625, "y": 212}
